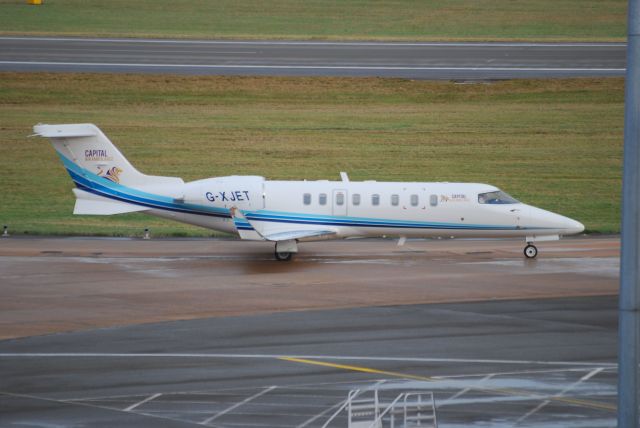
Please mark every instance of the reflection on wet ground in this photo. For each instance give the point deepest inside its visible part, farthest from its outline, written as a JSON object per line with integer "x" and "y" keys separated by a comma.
{"x": 63, "y": 284}
{"x": 534, "y": 363}
{"x": 265, "y": 343}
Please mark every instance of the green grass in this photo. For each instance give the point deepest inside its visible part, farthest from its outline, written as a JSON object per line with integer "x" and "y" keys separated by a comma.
{"x": 556, "y": 144}
{"x": 323, "y": 19}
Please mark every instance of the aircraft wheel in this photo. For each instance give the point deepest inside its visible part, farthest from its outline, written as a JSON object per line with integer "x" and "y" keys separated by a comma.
{"x": 530, "y": 251}
{"x": 283, "y": 256}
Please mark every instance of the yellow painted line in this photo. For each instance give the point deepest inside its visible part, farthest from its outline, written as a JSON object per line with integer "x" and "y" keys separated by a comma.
{"x": 512, "y": 392}
{"x": 357, "y": 369}
{"x": 583, "y": 403}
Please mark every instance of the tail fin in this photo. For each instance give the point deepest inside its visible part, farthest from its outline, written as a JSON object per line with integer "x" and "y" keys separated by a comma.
{"x": 87, "y": 147}
{"x": 101, "y": 173}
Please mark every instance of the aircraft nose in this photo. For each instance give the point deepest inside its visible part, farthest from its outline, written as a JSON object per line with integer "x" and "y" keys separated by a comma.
{"x": 549, "y": 220}
{"x": 569, "y": 225}
{"x": 574, "y": 227}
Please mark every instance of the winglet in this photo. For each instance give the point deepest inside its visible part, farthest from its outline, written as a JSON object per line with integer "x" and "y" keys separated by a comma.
{"x": 244, "y": 228}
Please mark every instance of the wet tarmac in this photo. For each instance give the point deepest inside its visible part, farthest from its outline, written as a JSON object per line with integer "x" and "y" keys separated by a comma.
{"x": 176, "y": 333}
{"x": 534, "y": 363}
{"x": 64, "y": 284}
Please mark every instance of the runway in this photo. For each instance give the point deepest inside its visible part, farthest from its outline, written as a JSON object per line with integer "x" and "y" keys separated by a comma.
{"x": 473, "y": 61}
{"x": 204, "y": 332}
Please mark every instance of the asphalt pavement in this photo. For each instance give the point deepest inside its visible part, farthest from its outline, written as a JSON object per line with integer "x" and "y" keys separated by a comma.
{"x": 60, "y": 284}
{"x": 534, "y": 363}
{"x": 420, "y": 60}
{"x": 114, "y": 332}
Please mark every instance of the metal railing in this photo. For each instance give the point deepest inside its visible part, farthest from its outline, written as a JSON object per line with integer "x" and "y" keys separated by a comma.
{"x": 366, "y": 409}
{"x": 418, "y": 409}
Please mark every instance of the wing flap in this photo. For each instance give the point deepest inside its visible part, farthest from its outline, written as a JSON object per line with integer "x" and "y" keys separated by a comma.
{"x": 297, "y": 234}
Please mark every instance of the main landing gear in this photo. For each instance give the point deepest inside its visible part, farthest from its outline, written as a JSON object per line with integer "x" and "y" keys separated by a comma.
{"x": 283, "y": 256}
{"x": 284, "y": 249}
{"x": 530, "y": 251}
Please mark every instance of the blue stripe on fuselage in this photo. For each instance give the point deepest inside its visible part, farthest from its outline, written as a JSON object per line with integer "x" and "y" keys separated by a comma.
{"x": 95, "y": 184}
{"x": 281, "y": 217}
{"x": 89, "y": 182}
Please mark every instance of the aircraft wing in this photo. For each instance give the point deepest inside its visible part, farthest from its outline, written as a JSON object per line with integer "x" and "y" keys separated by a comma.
{"x": 297, "y": 234}
{"x": 266, "y": 231}
{"x": 244, "y": 228}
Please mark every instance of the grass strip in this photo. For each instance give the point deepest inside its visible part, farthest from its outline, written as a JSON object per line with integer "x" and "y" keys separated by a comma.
{"x": 542, "y": 20}
{"x": 556, "y": 144}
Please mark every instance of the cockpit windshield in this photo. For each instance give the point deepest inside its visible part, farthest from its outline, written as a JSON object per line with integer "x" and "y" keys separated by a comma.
{"x": 497, "y": 197}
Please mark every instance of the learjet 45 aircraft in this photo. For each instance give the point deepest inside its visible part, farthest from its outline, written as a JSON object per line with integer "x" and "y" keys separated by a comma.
{"x": 288, "y": 212}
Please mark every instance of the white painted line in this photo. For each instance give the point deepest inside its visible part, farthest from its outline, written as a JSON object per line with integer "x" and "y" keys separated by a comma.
{"x": 310, "y": 357}
{"x": 235, "y": 406}
{"x": 309, "y": 67}
{"x": 229, "y": 391}
{"x": 78, "y": 403}
{"x": 561, "y": 393}
{"x": 316, "y": 43}
{"x": 590, "y": 375}
{"x": 146, "y": 400}
{"x": 477, "y": 385}
{"x": 517, "y": 372}
{"x": 581, "y": 380}
{"x": 531, "y": 412}
{"x": 321, "y": 414}
{"x": 377, "y": 384}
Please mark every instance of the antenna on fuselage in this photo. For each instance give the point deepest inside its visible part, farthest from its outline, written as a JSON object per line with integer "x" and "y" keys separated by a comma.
{"x": 344, "y": 177}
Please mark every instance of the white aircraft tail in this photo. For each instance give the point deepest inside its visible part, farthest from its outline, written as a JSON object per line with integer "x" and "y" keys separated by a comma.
{"x": 106, "y": 182}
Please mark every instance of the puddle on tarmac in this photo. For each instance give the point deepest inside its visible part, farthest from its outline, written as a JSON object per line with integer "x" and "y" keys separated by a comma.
{"x": 601, "y": 266}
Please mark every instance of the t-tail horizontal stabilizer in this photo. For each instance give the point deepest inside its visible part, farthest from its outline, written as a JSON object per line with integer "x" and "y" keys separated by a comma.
{"x": 87, "y": 203}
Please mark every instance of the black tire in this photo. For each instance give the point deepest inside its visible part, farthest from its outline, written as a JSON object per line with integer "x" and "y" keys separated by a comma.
{"x": 530, "y": 251}
{"x": 283, "y": 257}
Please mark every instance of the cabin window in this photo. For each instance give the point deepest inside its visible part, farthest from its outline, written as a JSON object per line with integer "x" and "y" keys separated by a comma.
{"x": 395, "y": 200}
{"x": 322, "y": 199}
{"x": 433, "y": 200}
{"x": 306, "y": 198}
{"x": 495, "y": 198}
{"x": 339, "y": 198}
{"x": 414, "y": 200}
{"x": 356, "y": 199}
{"x": 375, "y": 199}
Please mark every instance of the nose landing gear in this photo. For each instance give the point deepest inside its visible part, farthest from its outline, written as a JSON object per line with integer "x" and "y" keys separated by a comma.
{"x": 530, "y": 251}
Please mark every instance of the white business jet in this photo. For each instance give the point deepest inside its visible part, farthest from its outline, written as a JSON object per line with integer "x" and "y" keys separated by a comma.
{"x": 288, "y": 212}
